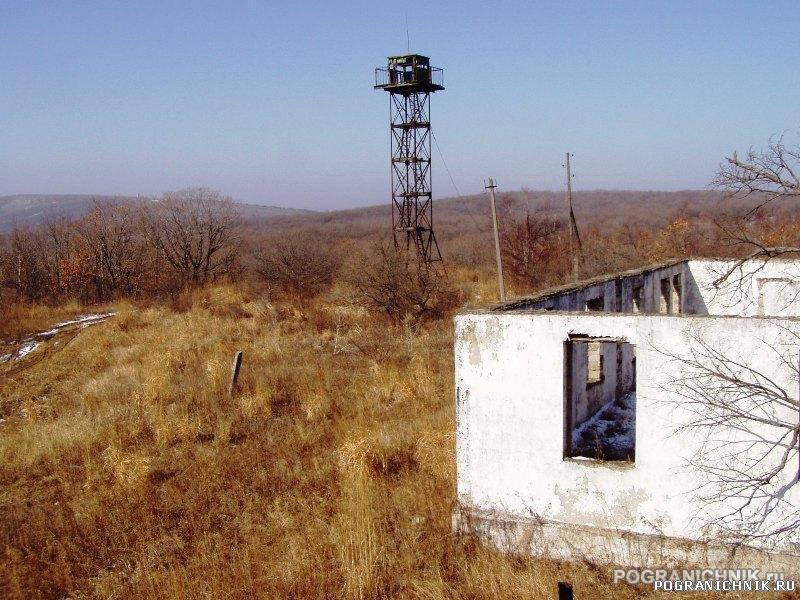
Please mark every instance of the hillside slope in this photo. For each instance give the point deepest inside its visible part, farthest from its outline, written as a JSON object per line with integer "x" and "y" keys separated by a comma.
{"x": 455, "y": 218}
{"x": 329, "y": 474}
{"x": 31, "y": 210}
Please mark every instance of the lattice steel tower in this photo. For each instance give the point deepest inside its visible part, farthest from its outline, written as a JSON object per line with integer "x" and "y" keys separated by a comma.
{"x": 410, "y": 79}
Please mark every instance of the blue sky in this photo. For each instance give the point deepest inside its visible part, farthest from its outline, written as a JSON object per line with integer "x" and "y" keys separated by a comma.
{"x": 273, "y": 102}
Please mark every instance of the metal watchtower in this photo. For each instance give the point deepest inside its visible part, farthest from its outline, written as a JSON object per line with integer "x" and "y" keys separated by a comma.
{"x": 410, "y": 80}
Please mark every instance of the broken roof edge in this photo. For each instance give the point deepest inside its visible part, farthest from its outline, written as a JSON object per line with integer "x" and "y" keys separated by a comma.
{"x": 584, "y": 283}
{"x": 581, "y": 314}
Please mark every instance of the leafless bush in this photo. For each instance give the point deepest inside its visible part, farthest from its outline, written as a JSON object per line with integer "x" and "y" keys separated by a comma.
{"x": 399, "y": 286}
{"x": 301, "y": 267}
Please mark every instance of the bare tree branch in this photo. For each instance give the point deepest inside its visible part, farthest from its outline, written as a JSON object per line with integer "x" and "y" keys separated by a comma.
{"x": 749, "y": 423}
{"x": 771, "y": 173}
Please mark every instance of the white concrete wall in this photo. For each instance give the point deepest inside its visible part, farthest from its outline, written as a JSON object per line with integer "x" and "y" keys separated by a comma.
{"x": 509, "y": 369}
{"x": 617, "y": 293}
{"x": 758, "y": 288}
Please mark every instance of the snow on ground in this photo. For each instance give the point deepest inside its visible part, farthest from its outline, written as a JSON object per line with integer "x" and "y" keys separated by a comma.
{"x": 26, "y": 348}
{"x": 30, "y": 344}
{"x": 84, "y": 321}
{"x": 610, "y": 433}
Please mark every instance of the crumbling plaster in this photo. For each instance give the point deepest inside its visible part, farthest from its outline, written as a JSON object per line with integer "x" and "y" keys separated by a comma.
{"x": 702, "y": 291}
{"x": 509, "y": 371}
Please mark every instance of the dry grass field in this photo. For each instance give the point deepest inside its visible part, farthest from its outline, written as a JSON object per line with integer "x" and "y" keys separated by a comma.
{"x": 126, "y": 471}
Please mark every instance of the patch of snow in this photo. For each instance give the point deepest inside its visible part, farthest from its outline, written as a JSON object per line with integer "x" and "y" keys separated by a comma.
{"x": 610, "y": 433}
{"x": 26, "y": 348}
{"x": 30, "y": 344}
{"x": 83, "y": 321}
{"x": 95, "y": 317}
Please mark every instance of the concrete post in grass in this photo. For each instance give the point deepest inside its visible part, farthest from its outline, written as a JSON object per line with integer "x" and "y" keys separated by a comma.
{"x": 237, "y": 365}
{"x": 564, "y": 591}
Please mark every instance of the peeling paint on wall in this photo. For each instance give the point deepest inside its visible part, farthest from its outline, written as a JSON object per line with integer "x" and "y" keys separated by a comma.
{"x": 511, "y": 422}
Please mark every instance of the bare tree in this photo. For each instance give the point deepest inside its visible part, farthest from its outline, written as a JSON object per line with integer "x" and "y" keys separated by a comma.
{"x": 530, "y": 246}
{"x": 59, "y": 244}
{"x": 110, "y": 238}
{"x": 769, "y": 175}
{"x": 772, "y": 173}
{"x": 197, "y": 230}
{"x": 748, "y": 418}
{"x": 26, "y": 265}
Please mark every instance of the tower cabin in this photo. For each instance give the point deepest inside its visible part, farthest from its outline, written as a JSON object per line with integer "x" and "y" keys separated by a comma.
{"x": 409, "y": 74}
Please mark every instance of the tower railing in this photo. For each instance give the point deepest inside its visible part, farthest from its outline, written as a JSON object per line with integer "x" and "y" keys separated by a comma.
{"x": 386, "y": 76}
{"x": 437, "y": 76}
{"x": 381, "y": 76}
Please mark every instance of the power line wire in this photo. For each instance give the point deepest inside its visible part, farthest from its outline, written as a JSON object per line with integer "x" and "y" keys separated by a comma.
{"x": 446, "y": 168}
{"x": 479, "y": 225}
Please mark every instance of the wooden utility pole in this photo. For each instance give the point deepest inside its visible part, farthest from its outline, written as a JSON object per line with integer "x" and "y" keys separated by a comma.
{"x": 574, "y": 236}
{"x": 491, "y": 188}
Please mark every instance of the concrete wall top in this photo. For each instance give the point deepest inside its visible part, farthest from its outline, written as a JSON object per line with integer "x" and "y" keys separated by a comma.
{"x": 694, "y": 286}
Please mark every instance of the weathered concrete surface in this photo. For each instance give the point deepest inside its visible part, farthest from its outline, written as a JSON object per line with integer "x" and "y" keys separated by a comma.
{"x": 509, "y": 375}
{"x": 756, "y": 288}
{"x": 537, "y": 537}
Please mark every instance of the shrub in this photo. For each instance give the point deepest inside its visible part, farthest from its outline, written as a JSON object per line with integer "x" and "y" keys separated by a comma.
{"x": 401, "y": 287}
{"x": 300, "y": 267}
{"x": 534, "y": 250}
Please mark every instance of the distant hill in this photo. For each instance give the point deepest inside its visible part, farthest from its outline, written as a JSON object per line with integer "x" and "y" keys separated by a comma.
{"x": 30, "y": 210}
{"x": 466, "y": 222}
{"x": 258, "y": 211}
{"x": 454, "y": 216}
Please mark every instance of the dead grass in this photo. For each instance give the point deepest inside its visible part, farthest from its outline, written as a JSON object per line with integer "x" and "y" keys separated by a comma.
{"x": 126, "y": 471}
{"x": 19, "y": 320}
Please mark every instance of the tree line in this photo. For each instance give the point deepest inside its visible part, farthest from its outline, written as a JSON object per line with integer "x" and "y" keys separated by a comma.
{"x": 149, "y": 248}
{"x": 156, "y": 248}
{"x": 159, "y": 248}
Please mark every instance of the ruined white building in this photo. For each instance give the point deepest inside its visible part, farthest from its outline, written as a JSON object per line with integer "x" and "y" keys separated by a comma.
{"x": 598, "y": 420}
